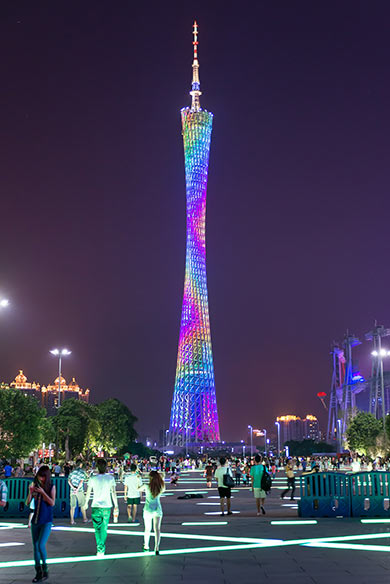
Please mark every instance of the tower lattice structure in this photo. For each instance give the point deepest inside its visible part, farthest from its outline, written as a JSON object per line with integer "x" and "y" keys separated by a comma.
{"x": 378, "y": 405}
{"x": 194, "y": 416}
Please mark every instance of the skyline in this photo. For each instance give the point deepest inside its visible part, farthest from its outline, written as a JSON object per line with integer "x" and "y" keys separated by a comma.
{"x": 92, "y": 239}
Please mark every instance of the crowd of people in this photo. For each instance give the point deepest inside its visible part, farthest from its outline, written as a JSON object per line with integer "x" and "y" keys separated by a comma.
{"x": 95, "y": 485}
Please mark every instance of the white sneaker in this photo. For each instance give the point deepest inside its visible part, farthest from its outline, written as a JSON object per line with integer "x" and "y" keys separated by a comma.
{"x": 100, "y": 554}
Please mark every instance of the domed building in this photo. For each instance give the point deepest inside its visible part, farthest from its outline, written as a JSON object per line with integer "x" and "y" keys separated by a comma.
{"x": 71, "y": 390}
{"x": 47, "y": 395}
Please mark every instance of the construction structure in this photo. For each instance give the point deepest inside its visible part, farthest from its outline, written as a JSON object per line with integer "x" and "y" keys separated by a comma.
{"x": 378, "y": 404}
{"x": 347, "y": 383}
{"x": 194, "y": 416}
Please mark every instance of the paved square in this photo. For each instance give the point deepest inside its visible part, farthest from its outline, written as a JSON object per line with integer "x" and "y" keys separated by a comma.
{"x": 199, "y": 547}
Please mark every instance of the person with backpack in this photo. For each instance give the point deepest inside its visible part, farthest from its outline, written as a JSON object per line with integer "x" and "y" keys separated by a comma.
{"x": 257, "y": 483}
{"x": 224, "y": 476}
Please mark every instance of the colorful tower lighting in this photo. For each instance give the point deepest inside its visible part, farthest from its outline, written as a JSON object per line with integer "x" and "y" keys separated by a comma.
{"x": 194, "y": 416}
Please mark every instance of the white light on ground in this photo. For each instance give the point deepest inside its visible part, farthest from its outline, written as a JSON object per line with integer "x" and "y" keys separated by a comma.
{"x": 218, "y": 513}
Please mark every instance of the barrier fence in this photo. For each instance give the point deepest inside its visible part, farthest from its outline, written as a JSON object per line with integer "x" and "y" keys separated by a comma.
{"x": 17, "y": 495}
{"x": 330, "y": 494}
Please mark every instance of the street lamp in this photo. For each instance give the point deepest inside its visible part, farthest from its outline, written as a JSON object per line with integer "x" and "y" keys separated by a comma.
{"x": 251, "y": 429}
{"x": 4, "y": 302}
{"x": 265, "y": 441}
{"x": 278, "y": 425}
{"x": 59, "y": 353}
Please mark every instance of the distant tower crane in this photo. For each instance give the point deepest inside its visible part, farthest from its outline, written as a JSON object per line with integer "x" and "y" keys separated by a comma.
{"x": 348, "y": 402}
{"x": 336, "y": 389}
{"x": 378, "y": 405}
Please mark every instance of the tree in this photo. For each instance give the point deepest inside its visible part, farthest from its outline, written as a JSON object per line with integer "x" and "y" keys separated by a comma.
{"x": 363, "y": 432}
{"x": 308, "y": 447}
{"x": 117, "y": 425}
{"x": 21, "y": 423}
{"x": 71, "y": 425}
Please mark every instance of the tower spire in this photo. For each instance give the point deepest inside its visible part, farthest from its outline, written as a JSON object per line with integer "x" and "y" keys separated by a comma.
{"x": 195, "y": 88}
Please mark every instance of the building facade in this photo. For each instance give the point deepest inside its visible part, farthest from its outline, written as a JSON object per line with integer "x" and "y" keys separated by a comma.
{"x": 295, "y": 428}
{"x": 47, "y": 395}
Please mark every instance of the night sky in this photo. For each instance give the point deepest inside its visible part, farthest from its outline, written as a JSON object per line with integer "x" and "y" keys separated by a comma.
{"x": 92, "y": 240}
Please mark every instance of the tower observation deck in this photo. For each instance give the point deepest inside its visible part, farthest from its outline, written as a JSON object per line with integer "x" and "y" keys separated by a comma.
{"x": 194, "y": 416}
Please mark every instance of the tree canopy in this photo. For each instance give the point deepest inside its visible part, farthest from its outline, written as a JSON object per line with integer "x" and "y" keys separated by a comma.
{"x": 363, "y": 433}
{"x": 117, "y": 425}
{"x": 21, "y": 423}
{"x": 308, "y": 447}
{"x": 84, "y": 429}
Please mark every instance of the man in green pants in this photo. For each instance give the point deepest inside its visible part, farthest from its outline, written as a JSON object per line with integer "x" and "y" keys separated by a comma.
{"x": 102, "y": 486}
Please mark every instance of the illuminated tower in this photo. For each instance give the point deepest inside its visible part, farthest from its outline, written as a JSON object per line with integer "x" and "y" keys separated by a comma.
{"x": 194, "y": 416}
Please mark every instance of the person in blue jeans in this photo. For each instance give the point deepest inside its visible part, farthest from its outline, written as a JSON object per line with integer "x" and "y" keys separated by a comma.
{"x": 44, "y": 494}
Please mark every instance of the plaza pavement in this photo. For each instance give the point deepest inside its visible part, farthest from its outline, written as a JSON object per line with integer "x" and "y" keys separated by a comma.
{"x": 245, "y": 550}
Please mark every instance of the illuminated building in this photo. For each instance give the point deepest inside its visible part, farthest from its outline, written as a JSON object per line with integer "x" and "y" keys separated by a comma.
{"x": 194, "y": 416}
{"x": 296, "y": 428}
{"x": 50, "y": 394}
{"x": 20, "y": 382}
{"x": 47, "y": 396}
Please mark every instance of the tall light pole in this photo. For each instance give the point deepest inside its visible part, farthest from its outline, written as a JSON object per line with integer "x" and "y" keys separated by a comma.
{"x": 265, "y": 441}
{"x": 251, "y": 429}
{"x": 59, "y": 353}
{"x": 278, "y": 425}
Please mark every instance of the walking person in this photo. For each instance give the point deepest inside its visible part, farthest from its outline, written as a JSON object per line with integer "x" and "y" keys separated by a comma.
{"x": 238, "y": 473}
{"x": 256, "y": 474}
{"x": 290, "y": 480}
{"x": 208, "y": 473}
{"x": 76, "y": 481}
{"x": 152, "y": 509}
{"x": 224, "y": 489}
{"x": 132, "y": 483}
{"x": 102, "y": 486}
{"x": 44, "y": 494}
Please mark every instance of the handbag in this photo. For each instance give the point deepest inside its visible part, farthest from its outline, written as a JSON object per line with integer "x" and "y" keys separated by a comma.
{"x": 228, "y": 479}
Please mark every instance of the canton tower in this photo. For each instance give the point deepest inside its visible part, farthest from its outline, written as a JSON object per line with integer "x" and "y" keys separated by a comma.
{"x": 194, "y": 416}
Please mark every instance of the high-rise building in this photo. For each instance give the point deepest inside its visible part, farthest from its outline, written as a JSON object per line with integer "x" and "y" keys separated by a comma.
{"x": 194, "y": 416}
{"x": 295, "y": 428}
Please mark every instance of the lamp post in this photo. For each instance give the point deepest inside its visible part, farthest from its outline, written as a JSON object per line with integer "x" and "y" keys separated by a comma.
{"x": 278, "y": 425}
{"x": 251, "y": 429}
{"x": 265, "y": 441}
{"x": 59, "y": 353}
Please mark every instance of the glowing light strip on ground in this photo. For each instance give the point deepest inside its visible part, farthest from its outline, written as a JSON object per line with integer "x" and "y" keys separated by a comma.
{"x": 308, "y": 522}
{"x": 320, "y": 542}
{"x": 205, "y": 523}
{"x": 375, "y": 521}
{"x": 260, "y": 541}
{"x": 350, "y": 546}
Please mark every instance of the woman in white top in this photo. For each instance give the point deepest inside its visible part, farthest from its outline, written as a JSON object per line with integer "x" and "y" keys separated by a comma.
{"x": 152, "y": 509}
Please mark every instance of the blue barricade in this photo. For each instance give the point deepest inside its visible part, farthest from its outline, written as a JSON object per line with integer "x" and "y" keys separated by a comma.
{"x": 370, "y": 494}
{"x": 324, "y": 494}
{"x": 17, "y": 495}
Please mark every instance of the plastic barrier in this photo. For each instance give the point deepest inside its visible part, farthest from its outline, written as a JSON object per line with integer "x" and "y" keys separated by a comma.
{"x": 17, "y": 495}
{"x": 370, "y": 494}
{"x": 324, "y": 494}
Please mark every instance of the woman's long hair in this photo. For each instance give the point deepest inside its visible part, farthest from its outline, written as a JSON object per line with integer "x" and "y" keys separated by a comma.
{"x": 156, "y": 483}
{"x": 44, "y": 471}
